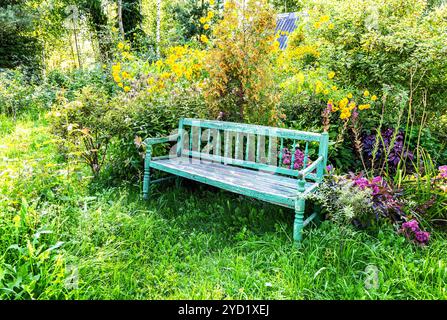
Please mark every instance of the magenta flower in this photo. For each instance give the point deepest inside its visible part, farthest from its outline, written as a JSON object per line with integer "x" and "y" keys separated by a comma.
{"x": 362, "y": 183}
{"x": 443, "y": 170}
{"x": 422, "y": 237}
{"x": 412, "y": 225}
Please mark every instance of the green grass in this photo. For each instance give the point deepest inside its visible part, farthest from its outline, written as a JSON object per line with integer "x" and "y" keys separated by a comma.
{"x": 188, "y": 243}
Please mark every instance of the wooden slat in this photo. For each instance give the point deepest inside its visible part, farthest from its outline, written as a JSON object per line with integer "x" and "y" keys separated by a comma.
{"x": 255, "y": 129}
{"x": 251, "y": 165}
{"x": 282, "y": 189}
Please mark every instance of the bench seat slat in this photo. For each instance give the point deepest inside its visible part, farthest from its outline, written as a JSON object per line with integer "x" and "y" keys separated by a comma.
{"x": 261, "y": 185}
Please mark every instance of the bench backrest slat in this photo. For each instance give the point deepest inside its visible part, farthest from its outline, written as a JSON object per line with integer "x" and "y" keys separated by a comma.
{"x": 246, "y": 146}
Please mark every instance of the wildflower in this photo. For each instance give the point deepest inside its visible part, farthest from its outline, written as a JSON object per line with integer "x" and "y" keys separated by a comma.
{"x": 326, "y": 91}
{"x": 16, "y": 221}
{"x": 331, "y": 26}
{"x": 329, "y": 168}
{"x": 422, "y": 237}
{"x": 120, "y": 46}
{"x": 443, "y": 171}
{"x": 343, "y": 103}
{"x": 331, "y": 75}
{"x": 206, "y": 26}
{"x": 318, "y": 87}
{"x": 366, "y": 93}
{"x": 345, "y": 114}
{"x": 411, "y": 225}
{"x": 125, "y": 75}
{"x": 374, "y": 98}
{"x": 362, "y": 183}
{"x": 349, "y": 95}
{"x": 120, "y": 84}
{"x": 351, "y": 105}
{"x": 210, "y": 15}
{"x": 334, "y": 88}
{"x": 204, "y": 38}
{"x": 202, "y": 20}
{"x": 364, "y": 106}
{"x": 126, "y": 89}
{"x": 212, "y": 2}
{"x": 324, "y": 19}
{"x": 317, "y": 25}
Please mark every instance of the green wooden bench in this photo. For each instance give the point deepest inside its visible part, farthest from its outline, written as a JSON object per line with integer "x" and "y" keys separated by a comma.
{"x": 245, "y": 159}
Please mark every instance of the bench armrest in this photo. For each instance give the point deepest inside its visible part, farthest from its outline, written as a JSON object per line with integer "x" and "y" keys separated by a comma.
{"x": 312, "y": 167}
{"x": 153, "y": 141}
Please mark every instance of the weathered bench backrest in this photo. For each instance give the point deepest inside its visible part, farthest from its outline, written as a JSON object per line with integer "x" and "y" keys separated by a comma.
{"x": 251, "y": 146}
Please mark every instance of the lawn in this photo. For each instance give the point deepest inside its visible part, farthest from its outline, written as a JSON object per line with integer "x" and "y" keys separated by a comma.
{"x": 63, "y": 237}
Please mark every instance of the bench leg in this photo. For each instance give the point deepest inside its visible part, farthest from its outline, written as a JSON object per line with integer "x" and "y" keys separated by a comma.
{"x": 299, "y": 218}
{"x": 147, "y": 175}
{"x": 178, "y": 182}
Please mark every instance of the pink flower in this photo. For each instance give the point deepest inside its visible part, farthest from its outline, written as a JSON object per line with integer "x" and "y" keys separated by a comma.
{"x": 443, "y": 170}
{"x": 362, "y": 183}
{"x": 422, "y": 237}
{"x": 412, "y": 225}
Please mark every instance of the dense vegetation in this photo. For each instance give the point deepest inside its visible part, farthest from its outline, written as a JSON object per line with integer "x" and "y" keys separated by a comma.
{"x": 82, "y": 83}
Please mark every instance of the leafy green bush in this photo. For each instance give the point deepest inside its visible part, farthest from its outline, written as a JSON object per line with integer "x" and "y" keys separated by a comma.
{"x": 86, "y": 126}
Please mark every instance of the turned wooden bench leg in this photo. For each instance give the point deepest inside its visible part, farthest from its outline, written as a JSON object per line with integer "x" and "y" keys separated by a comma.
{"x": 299, "y": 219}
{"x": 147, "y": 174}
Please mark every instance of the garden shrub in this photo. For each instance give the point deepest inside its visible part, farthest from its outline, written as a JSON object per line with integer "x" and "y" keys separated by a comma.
{"x": 240, "y": 86}
{"x": 86, "y": 126}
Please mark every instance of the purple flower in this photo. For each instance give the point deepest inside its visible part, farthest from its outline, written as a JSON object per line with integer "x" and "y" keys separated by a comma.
{"x": 412, "y": 225}
{"x": 422, "y": 237}
{"x": 443, "y": 170}
{"x": 329, "y": 168}
{"x": 362, "y": 183}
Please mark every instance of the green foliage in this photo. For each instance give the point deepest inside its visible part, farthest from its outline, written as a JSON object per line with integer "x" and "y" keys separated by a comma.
{"x": 240, "y": 85}
{"x": 86, "y": 126}
{"x": 19, "y": 46}
{"x": 144, "y": 116}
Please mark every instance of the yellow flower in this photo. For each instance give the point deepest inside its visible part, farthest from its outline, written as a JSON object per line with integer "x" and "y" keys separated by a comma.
{"x": 120, "y": 84}
{"x": 331, "y": 75}
{"x": 125, "y": 75}
{"x": 331, "y": 26}
{"x": 318, "y": 87}
{"x": 126, "y": 89}
{"x": 364, "y": 106}
{"x": 204, "y": 38}
{"x": 334, "y": 88}
{"x": 212, "y": 2}
{"x": 117, "y": 78}
{"x": 16, "y": 221}
{"x": 317, "y": 25}
{"x": 366, "y": 93}
{"x": 210, "y": 15}
{"x": 165, "y": 75}
{"x": 326, "y": 91}
{"x": 121, "y": 46}
{"x": 351, "y": 106}
{"x": 206, "y": 26}
{"x": 374, "y": 98}
{"x": 345, "y": 114}
{"x": 349, "y": 95}
{"x": 202, "y": 20}
{"x": 324, "y": 19}
{"x": 343, "y": 103}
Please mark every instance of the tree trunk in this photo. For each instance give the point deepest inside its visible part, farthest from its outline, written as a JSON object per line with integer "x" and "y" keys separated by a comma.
{"x": 120, "y": 18}
{"x": 158, "y": 27}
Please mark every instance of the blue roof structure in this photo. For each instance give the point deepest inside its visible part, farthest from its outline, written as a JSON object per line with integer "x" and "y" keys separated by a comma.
{"x": 286, "y": 23}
